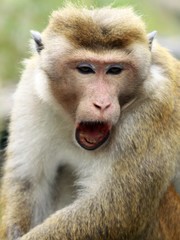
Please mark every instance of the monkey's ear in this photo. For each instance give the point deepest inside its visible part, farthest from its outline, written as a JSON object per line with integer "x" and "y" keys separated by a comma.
{"x": 37, "y": 39}
{"x": 151, "y": 37}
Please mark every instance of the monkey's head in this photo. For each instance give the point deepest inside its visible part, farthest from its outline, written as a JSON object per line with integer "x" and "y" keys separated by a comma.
{"x": 96, "y": 62}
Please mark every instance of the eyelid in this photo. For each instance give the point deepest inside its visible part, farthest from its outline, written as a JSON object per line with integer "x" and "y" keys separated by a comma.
{"x": 120, "y": 66}
{"x": 87, "y": 65}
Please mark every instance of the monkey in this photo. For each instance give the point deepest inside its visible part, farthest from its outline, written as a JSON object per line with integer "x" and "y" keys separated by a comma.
{"x": 94, "y": 134}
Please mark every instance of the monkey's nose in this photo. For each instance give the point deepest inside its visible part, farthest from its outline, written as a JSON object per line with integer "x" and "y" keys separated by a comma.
{"x": 102, "y": 107}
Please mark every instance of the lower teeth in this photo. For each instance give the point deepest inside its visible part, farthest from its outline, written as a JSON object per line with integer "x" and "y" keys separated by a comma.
{"x": 89, "y": 141}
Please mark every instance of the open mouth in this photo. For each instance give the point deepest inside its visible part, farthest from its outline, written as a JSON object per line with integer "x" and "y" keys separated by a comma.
{"x": 91, "y": 135}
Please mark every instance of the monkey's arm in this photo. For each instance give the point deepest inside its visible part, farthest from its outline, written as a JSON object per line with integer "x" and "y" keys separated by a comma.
{"x": 117, "y": 213}
{"x": 16, "y": 209}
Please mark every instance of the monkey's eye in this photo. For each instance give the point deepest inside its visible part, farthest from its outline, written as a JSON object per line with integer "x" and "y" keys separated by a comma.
{"x": 85, "y": 68}
{"x": 114, "y": 69}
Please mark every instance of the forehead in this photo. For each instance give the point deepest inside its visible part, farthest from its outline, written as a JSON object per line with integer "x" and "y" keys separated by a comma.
{"x": 98, "y": 29}
{"x": 102, "y": 57}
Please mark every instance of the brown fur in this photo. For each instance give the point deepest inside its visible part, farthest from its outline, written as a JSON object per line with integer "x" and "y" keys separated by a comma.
{"x": 169, "y": 212}
{"x": 84, "y": 30}
{"x": 166, "y": 226}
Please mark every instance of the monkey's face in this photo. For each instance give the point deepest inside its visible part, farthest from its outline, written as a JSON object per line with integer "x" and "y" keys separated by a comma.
{"x": 94, "y": 88}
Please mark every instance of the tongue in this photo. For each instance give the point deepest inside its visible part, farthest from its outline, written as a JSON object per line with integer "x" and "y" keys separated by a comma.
{"x": 91, "y": 135}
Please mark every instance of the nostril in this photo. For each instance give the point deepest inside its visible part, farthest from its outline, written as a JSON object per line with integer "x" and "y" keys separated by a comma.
{"x": 107, "y": 106}
{"x": 97, "y": 106}
{"x": 102, "y": 107}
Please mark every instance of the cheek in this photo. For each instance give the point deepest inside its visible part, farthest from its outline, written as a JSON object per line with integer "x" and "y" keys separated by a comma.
{"x": 67, "y": 95}
{"x": 129, "y": 87}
